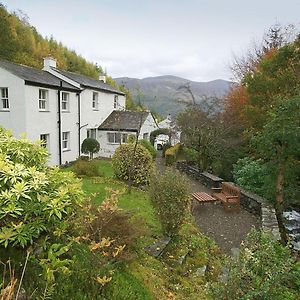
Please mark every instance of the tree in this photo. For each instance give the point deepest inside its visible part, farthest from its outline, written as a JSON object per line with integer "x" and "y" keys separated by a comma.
{"x": 278, "y": 144}
{"x": 90, "y": 146}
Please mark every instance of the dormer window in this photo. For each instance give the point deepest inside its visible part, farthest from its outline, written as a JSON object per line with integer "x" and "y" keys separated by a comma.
{"x": 95, "y": 101}
{"x": 43, "y": 99}
{"x": 65, "y": 101}
{"x": 4, "y": 99}
{"x": 116, "y": 101}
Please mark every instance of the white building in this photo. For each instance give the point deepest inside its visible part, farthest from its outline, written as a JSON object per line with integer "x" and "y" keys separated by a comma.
{"x": 61, "y": 108}
{"x": 119, "y": 125}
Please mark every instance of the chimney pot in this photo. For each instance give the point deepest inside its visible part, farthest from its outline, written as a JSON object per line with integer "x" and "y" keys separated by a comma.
{"x": 102, "y": 78}
{"x": 49, "y": 62}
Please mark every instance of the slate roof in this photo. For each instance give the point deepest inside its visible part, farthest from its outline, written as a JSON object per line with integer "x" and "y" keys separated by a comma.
{"x": 124, "y": 121}
{"x": 34, "y": 76}
{"x": 89, "y": 82}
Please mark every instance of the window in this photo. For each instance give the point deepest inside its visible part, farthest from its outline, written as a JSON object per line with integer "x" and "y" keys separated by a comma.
{"x": 45, "y": 138}
{"x": 116, "y": 101}
{"x": 114, "y": 137}
{"x": 95, "y": 101}
{"x": 146, "y": 136}
{"x": 64, "y": 101}
{"x": 124, "y": 137}
{"x": 43, "y": 99}
{"x": 92, "y": 133}
{"x": 4, "y": 99}
{"x": 66, "y": 140}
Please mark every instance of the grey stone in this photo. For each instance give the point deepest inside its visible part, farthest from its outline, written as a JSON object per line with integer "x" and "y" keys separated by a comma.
{"x": 201, "y": 271}
{"x": 157, "y": 249}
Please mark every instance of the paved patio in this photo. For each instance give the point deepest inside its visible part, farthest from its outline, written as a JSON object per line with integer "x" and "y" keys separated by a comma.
{"x": 228, "y": 229}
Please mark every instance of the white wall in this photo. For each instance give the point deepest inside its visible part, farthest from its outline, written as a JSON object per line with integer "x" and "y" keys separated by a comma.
{"x": 148, "y": 126}
{"x": 46, "y": 122}
{"x": 14, "y": 119}
{"x": 91, "y": 118}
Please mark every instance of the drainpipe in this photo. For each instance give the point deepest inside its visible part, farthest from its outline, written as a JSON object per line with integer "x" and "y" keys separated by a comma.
{"x": 79, "y": 125}
{"x": 59, "y": 124}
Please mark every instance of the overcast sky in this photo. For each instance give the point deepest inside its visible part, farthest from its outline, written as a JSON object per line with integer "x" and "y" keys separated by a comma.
{"x": 193, "y": 39}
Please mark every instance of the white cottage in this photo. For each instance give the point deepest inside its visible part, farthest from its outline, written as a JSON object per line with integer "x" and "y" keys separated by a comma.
{"x": 61, "y": 108}
{"x": 120, "y": 124}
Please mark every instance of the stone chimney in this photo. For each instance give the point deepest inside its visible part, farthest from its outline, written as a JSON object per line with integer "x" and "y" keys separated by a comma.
{"x": 102, "y": 78}
{"x": 49, "y": 62}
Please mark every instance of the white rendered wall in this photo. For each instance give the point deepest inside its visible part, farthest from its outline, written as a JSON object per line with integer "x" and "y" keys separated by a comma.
{"x": 148, "y": 126}
{"x": 46, "y": 122}
{"x": 92, "y": 118}
{"x": 13, "y": 119}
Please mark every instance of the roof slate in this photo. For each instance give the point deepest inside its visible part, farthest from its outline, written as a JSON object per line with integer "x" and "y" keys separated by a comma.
{"x": 89, "y": 82}
{"x": 32, "y": 75}
{"x": 124, "y": 121}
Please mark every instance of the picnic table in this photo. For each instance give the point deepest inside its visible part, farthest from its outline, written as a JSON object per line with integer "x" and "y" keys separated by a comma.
{"x": 203, "y": 197}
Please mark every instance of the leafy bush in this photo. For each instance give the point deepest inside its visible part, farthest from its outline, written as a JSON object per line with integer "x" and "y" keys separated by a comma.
{"x": 149, "y": 147}
{"x": 250, "y": 174}
{"x": 169, "y": 196}
{"x": 171, "y": 154}
{"x": 165, "y": 147}
{"x": 139, "y": 164}
{"x": 264, "y": 270}
{"x": 190, "y": 154}
{"x": 90, "y": 146}
{"x": 34, "y": 198}
{"x": 86, "y": 168}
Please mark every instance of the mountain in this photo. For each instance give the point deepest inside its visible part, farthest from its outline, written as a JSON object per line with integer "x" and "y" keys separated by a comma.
{"x": 168, "y": 94}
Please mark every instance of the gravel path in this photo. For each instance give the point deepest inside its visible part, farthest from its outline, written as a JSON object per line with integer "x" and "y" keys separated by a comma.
{"x": 228, "y": 229}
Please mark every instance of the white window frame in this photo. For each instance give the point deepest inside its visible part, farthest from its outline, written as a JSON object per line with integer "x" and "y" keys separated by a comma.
{"x": 114, "y": 137}
{"x": 45, "y": 138}
{"x": 65, "y": 140}
{"x": 65, "y": 102}
{"x": 91, "y": 133}
{"x": 116, "y": 101}
{"x": 95, "y": 101}
{"x": 4, "y": 98}
{"x": 124, "y": 138}
{"x": 43, "y": 100}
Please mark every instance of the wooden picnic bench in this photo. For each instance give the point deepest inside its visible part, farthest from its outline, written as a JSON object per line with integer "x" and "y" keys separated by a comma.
{"x": 203, "y": 197}
{"x": 229, "y": 195}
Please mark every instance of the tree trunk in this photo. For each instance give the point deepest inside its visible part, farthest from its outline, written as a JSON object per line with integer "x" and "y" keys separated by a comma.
{"x": 280, "y": 201}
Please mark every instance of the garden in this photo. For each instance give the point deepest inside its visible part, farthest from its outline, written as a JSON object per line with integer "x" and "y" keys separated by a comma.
{"x": 81, "y": 233}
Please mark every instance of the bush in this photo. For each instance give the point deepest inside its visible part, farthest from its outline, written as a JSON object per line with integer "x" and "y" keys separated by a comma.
{"x": 169, "y": 196}
{"x": 139, "y": 164}
{"x": 264, "y": 270}
{"x": 90, "y": 146}
{"x": 149, "y": 147}
{"x": 171, "y": 154}
{"x": 86, "y": 168}
{"x": 165, "y": 148}
{"x": 191, "y": 155}
{"x": 250, "y": 174}
{"x": 34, "y": 198}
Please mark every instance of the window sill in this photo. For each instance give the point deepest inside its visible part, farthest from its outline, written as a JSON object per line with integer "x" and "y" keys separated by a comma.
{"x": 65, "y": 111}
{"x": 66, "y": 150}
{"x": 44, "y": 110}
{"x": 95, "y": 109}
{"x": 5, "y": 109}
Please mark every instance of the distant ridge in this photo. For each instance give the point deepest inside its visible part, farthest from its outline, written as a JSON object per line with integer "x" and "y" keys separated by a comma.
{"x": 162, "y": 94}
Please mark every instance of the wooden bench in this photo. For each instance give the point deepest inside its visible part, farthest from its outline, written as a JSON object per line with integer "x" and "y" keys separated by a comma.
{"x": 229, "y": 195}
{"x": 203, "y": 197}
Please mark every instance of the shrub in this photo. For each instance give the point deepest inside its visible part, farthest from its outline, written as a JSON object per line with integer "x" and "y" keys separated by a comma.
{"x": 86, "y": 168}
{"x": 90, "y": 146}
{"x": 171, "y": 154}
{"x": 139, "y": 164}
{"x": 169, "y": 196}
{"x": 250, "y": 174}
{"x": 165, "y": 148}
{"x": 34, "y": 198}
{"x": 264, "y": 270}
{"x": 149, "y": 147}
{"x": 191, "y": 155}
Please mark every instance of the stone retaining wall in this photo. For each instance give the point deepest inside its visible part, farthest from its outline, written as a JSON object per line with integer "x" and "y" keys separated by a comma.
{"x": 249, "y": 201}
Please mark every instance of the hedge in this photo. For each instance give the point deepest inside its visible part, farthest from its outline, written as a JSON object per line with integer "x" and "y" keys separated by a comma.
{"x": 171, "y": 154}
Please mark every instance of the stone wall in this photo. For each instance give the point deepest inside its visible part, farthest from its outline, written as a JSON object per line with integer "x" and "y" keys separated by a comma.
{"x": 249, "y": 201}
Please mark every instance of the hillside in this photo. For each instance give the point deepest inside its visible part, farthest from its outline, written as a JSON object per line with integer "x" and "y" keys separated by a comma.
{"x": 21, "y": 43}
{"x": 163, "y": 95}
